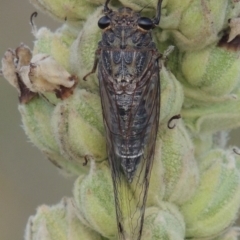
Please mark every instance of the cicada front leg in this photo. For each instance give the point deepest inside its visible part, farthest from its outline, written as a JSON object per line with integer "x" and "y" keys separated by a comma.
{"x": 95, "y": 64}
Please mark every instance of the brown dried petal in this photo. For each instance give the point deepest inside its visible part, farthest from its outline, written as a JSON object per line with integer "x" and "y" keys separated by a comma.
{"x": 46, "y": 75}
{"x": 11, "y": 74}
{"x": 26, "y": 94}
{"x": 24, "y": 75}
{"x": 39, "y": 74}
{"x": 24, "y": 55}
{"x": 64, "y": 92}
{"x": 9, "y": 70}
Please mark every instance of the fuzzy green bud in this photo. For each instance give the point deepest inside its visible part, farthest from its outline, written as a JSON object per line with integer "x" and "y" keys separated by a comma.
{"x": 194, "y": 24}
{"x": 171, "y": 95}
{"x": 95, "y": 200}
{"x": 37, "y": 125}
{"x": 164, "y": 222}
{"x": 78, "y": 127}
{"x": 83, "y": 49}
{"x": 180, "y": 168}
{"x": 216, "y": 117}
{"x": 58, "y": 222}
{"x": 55, "y": 130}
{"x": 56, "y": 44}
{"x": 70, "y": 10}
{"x": 215, "y": 204}
{"x": 208, "y": 69}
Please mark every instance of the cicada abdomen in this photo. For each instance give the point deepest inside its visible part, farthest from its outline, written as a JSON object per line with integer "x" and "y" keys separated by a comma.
{"x": 128, "y": 73}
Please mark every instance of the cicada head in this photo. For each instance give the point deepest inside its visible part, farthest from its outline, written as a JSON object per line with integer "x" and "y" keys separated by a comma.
{"x": 126, "y": 28}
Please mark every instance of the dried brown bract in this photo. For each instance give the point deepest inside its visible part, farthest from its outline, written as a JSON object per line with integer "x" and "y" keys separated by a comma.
{"x": 36, "y": 75}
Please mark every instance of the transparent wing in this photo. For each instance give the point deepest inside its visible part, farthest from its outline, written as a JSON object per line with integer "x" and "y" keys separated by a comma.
{"x": 131, "y": 135}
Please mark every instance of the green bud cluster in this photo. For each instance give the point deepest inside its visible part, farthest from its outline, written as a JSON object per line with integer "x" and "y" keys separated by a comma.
{"x": 58, "y": 222}
{"x": 194, "y": 190}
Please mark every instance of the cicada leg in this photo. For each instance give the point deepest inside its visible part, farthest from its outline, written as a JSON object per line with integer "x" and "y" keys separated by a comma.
{"x": 96, "y": 59}
{"x": 164, "y": 56}
{"x": 86, "y": 159}
{"x": 175, "y": 117}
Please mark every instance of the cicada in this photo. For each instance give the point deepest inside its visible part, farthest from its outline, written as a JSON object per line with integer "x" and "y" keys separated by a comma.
{"x": 128, "y": 71}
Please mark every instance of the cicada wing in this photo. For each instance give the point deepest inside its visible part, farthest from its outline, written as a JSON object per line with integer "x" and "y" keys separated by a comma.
{"x": 141, "y": 180}
{"x": 131, "y": 196}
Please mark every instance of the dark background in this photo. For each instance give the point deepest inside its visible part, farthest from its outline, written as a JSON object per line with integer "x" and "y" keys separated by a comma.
{"x": 27, "y": 179}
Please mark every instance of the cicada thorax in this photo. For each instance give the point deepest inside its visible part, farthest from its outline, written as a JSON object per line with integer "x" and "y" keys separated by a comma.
{"x": 128, "y": 73}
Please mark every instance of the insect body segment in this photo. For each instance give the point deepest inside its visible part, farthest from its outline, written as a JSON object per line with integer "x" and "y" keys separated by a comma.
{"x": 128, "y": 73}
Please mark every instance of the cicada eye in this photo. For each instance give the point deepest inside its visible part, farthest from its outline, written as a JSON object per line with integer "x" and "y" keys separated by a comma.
{"x": 104, "y": 22}
{"x": 145, "y": 23}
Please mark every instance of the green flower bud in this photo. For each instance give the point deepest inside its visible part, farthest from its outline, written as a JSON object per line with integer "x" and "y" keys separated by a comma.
{"x": 58, "y": 222}
{"x": 36, "y": 118}
{"x": 208, "y": 69}
{"x": 78, "y": 127}
{"x": 94, "y": 198}
{"x": 82, "y": 51}
{"x": 180, "y": 169}
{"x": 171, "y": 96}
{"x": 65, "y": 10}
{"x": 55, "y": 44}
{"x": 213, "y": 118}
{"x": 194, "y": 96}
{"x": 215, "y": 204}
{"x": 163, "y": 223}
{"x": 61, "y": 139}
{"x": 194, "y": 24}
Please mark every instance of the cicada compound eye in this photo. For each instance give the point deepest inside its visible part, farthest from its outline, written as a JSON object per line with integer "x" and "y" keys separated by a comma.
{"x": 145, "y": 23}
{"x": 104, "y": 22}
